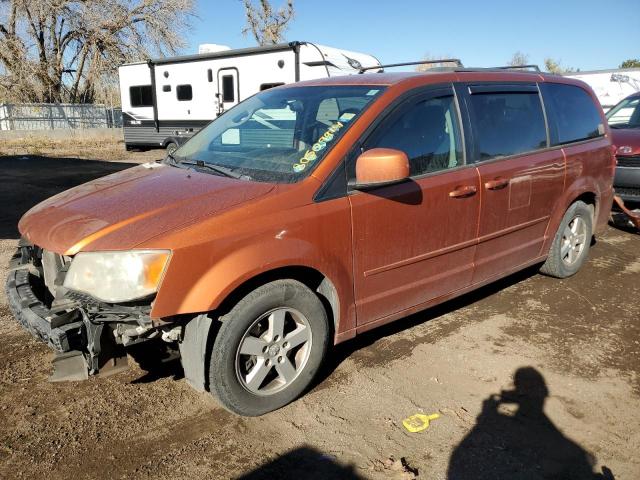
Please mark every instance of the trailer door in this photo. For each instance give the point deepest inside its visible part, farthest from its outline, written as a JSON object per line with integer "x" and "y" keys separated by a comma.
{"x": 228, "y": 89}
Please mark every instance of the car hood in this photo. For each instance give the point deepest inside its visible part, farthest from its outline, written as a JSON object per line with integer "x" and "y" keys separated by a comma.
{"x": 627, "y": 136}
{"x": 123, "y": 210}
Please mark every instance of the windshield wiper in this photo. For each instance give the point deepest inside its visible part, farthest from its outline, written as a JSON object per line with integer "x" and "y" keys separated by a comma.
{"x": 171, "y": 160}
{"x": 227, "y": 172}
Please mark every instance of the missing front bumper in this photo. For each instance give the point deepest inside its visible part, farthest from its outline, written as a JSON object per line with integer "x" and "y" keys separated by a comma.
{"x": 62, "y": 331}
{"x": 83, "y": 337}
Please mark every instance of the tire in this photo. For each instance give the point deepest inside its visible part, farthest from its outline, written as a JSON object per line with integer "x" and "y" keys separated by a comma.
{"x": 171, "y": 147}
{"x": 570, "y": 246}
{"x": 251, "y": 363}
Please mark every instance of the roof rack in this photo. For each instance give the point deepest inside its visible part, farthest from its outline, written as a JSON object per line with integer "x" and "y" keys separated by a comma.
{"x": 533, "y": 67}
{"x": 455, "y": 61}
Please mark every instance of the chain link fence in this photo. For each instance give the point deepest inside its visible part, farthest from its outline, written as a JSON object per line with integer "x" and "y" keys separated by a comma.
{"x": 58, "y": 116}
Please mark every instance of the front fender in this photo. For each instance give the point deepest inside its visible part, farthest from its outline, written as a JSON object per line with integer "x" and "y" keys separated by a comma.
{"x": 206, "y": 292}
{"x": 233, "y": 270}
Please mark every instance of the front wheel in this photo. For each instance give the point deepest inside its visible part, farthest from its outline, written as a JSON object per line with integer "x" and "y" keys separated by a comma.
{"x": 269, "y": 348}
{"x": 570, "y": 246}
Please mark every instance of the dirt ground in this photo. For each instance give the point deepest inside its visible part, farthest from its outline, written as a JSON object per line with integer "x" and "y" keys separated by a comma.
{"x": 532, "y": 377}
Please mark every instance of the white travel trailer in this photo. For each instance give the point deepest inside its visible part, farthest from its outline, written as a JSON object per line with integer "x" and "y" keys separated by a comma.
{"x": 611, "y": 86}
{"x": 167, "y": 100}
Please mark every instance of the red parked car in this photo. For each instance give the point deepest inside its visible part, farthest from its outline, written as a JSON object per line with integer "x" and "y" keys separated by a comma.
{"x": 624, "y": 120}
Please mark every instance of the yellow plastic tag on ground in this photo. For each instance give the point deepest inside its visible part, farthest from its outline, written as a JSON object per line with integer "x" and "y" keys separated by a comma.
{"x": 418, "y": 422}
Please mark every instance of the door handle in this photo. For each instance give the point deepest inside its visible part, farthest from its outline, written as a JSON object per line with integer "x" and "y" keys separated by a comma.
{"x": 496, "y": 184}
{"x": 463, "y": 192}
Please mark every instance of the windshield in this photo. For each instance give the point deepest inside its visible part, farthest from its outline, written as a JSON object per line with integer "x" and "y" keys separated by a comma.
{"x": 626, "y": 114}
{"x": 279, "y": 135}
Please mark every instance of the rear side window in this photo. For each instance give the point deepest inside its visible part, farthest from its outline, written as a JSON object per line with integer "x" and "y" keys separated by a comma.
{"x": 508, "y": 123}
{"x": 184, "y": 93}
{"x": 572, "y": 114}
{"x": 141, "y": 96}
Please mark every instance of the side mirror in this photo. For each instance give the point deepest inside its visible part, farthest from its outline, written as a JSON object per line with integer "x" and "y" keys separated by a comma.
{"x": 381, "y": 166}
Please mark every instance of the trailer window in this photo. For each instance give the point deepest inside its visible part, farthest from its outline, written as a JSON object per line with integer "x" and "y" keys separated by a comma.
{"x": 228, "y": 89}
{"x": 141, "y": 96}
{"x": 184, "y": 93}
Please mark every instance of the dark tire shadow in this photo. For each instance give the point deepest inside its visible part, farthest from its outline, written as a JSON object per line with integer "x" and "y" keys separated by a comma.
{"x": 344, "y": 350}
{"x": 158, "y": 359}
{"x": 302, "y": 463}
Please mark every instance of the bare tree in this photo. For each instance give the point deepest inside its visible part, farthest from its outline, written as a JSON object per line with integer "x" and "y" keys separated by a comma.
{"x": 519, "y": 59}
{"x": 555, "y": 66}
{"x": 266, "y": 24}
{"x": 431, "y": 58}
{"x": 67, "y": 50}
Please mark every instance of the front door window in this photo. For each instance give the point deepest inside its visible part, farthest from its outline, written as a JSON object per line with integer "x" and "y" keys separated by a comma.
{"x": 428, "y": 133}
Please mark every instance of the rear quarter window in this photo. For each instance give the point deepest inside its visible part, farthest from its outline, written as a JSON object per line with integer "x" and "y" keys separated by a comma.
{"x": 572, "y": 113}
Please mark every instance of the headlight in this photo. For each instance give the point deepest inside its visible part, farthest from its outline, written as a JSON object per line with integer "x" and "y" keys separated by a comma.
{"x": 624, "y": 150}
{"x": 117, "y": 276}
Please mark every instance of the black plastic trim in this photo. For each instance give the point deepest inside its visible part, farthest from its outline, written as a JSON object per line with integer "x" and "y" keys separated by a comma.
{"x": 36, "y": 318}
{"x": 525, "y": 87}
{"x": 296, "y": 62}
{"x": 155, "y": 97}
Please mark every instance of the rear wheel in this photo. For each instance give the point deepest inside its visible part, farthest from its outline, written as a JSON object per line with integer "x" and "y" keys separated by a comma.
{"x": 269, "y": 348}
{"x": 171, "y": 147}
{"x": 570, "y": 246}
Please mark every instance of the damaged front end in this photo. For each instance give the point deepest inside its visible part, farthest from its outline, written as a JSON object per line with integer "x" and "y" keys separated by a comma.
{"x": 88, "y": 336}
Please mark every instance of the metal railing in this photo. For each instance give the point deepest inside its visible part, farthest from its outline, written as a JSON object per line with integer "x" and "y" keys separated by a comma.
{"x": 57, "y": 116}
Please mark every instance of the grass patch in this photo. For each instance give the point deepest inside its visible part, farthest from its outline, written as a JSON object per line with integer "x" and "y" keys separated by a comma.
{"x": 102, "y": 147}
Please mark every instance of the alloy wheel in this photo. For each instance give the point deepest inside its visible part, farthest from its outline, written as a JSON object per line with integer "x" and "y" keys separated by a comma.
{"x": 273, "y": 351}
{"x": 574, "y": 238}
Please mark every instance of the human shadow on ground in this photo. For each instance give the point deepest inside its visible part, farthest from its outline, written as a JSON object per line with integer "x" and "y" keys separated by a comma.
{"x": 514, "y": 439}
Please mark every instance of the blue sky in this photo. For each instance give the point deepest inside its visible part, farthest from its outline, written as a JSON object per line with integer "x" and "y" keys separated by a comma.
{"x": 585, "y": 34}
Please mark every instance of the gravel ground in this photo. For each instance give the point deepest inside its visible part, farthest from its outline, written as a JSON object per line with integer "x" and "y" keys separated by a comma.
{"x": 532, "y": 377}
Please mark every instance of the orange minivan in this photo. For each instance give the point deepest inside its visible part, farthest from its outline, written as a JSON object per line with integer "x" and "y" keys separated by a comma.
{"x": 310, "y": 213}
